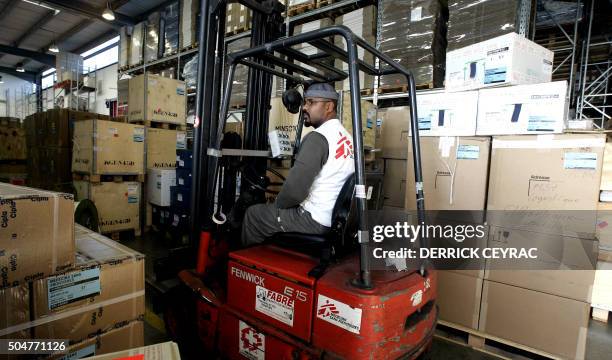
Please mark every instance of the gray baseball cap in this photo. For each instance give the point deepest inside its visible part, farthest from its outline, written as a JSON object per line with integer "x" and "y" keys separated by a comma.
{"x": 321, "y": 90}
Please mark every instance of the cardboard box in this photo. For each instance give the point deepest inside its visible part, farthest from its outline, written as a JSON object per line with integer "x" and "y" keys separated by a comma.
{"x": 606, "y": 172}
{"x": 162, "y": 351}
{"x": 555, "y": 175}
{"x": 53, "y": 165}
{"x": 444, "y": 113}
{"x": 106, "y": 290}
{"x": 113, "y": 341}
{"x": 553, "y": 324}
{"x": 15, "y": 302}
{"x": 156, "y": 98}
{"x": 522, "y": 109}
{"x": 162, "y": 145}
{"x": 454, "y": 173}
{"x": 281, "y": 119}
{"x": 368, "y": 119}
{"x": 603, "y": 231}
{"x": 602, "y": 286}
{"x": 394, "y": 183}
{"x": 459, "y": 298}
{"x": 188, "y": 22}
{"x": 108, "y": 147}
{"x": 118, "y": 203}
{"x": 507, "y": 59}
{"x": 159, "y": 182}
{"x": 36, "y": 233}
{"x": 395, "y": 132}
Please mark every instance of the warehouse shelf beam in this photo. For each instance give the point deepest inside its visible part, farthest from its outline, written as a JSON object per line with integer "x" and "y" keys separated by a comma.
{"x": 27, "y": 75}
{"x": 84, "y": 9}
{"x": 34, "y": 55}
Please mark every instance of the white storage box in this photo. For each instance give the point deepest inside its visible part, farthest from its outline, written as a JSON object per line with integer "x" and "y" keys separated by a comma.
{"x": 508, "y": 59}
{"x": 447, "y": 113}
{"x": 158, "y": 186}
{"x": 523, "y": 109}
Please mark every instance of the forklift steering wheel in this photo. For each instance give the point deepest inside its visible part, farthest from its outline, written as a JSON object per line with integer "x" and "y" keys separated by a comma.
{"x": 261, "y": 187}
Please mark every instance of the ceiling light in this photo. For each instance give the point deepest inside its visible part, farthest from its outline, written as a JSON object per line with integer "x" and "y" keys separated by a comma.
{"x": 19, "y": 67}
{"x": 53, "y": 47}
{"x": 108, "y": 14}
{"x": 39, "y": 3}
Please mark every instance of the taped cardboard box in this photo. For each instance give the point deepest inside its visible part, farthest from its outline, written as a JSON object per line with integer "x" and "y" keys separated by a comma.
{"x": 394, "y": 183}
{"x": 565, "y": 266}
{"x": 113, "y": 341}
{"x": 447, "y": 113}
{"x": 163, "y": 351}
{"x": 14, "y": 310}
{"x": 454, "y": 173}
{"x": 36, "y": 233}
{"x": 549, "y": 323}
{"x": 395, "y": 132}
{"x": 106, "y": 290}
{"x": 108, "y": 147}
{"x": 606, "y": 172}
{"x": 118, "y": 203}
{"x": 368, "y": 119}
{"x": 156, "y": 98}
{"x": 162, "y": 145}
{"x": 510, "y": 59}
{"x": 522, "y": 109}
{"x": 549, "y": 183}
{"x": 458, "y": 299}
{"x": 602, "y": 286}
{"x": 603, "y": 230}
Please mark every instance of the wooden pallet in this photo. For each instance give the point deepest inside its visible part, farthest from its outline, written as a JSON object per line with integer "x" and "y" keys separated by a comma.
{"x": 301, "y": 8}
{"x": 322, "y": 3}
{"x": 96, "y": 178}
{"x": 192, "y": 46}
{"x": 489, "y": 344}
{"x": 160, "y": 125}
{"x": 237, "y": 31}
{"x": 403, "y": 88}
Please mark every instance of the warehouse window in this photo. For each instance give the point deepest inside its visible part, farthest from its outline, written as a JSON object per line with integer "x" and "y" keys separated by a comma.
{"x": 101, "y": 56}
{"x": 47, "y": 81}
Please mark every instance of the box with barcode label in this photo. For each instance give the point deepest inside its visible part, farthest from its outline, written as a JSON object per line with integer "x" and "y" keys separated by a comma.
{"x": 108, "y": 148}
{"x": 118, "y": 203}
{"x": 522, "y": 109}
{"x": 507, "y": 59}
{"x": 103, "y": 292}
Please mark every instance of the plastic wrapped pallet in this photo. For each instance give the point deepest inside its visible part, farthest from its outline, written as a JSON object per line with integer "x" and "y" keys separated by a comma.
{"x": 189, "y": 21}
{"x": 69, "y": 66}
{"x": 152, "y": 46}
{"x": 136, "y": 44}
{"x": 238, "y": 18}
{"x": 413, "y": 34}
{"x": 474, "y": 21}
{"x": 170, "y": 20}
{"x": 362, "y": 23}
{"x": 124, "y": 45}
{"x": 310, "y": 26}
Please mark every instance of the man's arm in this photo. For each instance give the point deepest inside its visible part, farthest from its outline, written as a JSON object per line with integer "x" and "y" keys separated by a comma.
{"x": 311, "y": 158}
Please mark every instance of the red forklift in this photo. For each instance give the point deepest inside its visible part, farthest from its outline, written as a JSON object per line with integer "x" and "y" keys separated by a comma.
{"x": 297, "y": 296}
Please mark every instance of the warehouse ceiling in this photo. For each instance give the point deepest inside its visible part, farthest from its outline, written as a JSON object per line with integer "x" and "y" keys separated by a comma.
{"x": 74, "y": 25}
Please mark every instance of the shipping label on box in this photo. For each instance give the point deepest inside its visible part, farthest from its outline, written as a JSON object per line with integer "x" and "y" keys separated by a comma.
{"x": 447, "y": 113}
{"x": 522, "y": 109}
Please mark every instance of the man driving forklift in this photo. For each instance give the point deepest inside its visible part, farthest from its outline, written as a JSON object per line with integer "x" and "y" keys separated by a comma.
{"x": 324, "y": 162}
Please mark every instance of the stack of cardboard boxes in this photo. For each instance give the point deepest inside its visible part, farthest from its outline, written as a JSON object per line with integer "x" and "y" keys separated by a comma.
{"x": 602, "y": 288}
{"x": 13, "y": 151}
{"x": 63, "y": 281}
{"x": 498, "y": 152}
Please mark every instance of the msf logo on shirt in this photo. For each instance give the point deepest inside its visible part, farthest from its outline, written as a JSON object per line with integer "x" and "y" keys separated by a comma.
{"x": 327, "y": 309}
{"x": 344, "y": 147}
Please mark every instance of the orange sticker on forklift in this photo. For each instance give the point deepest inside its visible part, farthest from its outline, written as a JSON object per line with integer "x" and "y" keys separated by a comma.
{"x": 276, "y": 305}
{"x": 339, "y": 314}
{"x": 251, "y": 344}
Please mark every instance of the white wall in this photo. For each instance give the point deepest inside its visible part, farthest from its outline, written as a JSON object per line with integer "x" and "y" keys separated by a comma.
{"x": 16, "y": 106}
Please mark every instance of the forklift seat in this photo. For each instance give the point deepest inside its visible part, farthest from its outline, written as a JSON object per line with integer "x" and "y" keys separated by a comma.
{"x": 323, "y": 246}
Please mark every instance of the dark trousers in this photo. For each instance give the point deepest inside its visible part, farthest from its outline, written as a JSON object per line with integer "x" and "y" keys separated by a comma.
{"x": 263, "y": 220}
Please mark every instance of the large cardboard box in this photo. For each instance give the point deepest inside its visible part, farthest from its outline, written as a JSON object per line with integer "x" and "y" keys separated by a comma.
{"x": 159, "y": 182}
{"x": 565, "y": 265}
{"x": 454, "y": 173}
{"x": 15, "y": 305}
{"x": 189, "y": 20}
{"x": 395, "y": 132}
{"x": 549, "y": 323}
{"x": 606, "y": 172}
{"x": 36, "y": 233}
{"x": 162, "y": 351}
{"x": 106, "y": 290}
{"x": 459, "y": 296}
{"x": 552, "y": 179}
{"x": 443, "y": 113}
{"x": 602, "y": 286}
{"x": 507, "y": 59}
{"x": 162, "y": 145}
{"x": 126, "y": 337}
{"x": 156, "y": 98}
{"x": 281, "y": 119}
{"x": 118, "y": 203}
{"x": 522, "y": 109}
{"x": 604, "y": 225}
{"x": 394, "y": 183}
{"x": 53, "y": 165}
{"x": 368, "y": 119}
{"x": 108, "y": 147}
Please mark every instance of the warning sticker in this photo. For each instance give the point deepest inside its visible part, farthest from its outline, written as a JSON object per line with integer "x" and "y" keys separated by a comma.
{"x": 275, "y": 305}
{"x": 66, "y": 289}
{"x": 252, "y": 344}
{"x": 339, "y": 314}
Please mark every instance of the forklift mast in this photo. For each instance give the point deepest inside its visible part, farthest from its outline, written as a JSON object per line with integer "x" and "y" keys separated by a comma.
{"x": 271, "y": 55}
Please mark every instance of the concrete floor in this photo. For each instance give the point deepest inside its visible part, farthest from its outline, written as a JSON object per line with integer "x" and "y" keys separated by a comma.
{"x": 599, "y": 338}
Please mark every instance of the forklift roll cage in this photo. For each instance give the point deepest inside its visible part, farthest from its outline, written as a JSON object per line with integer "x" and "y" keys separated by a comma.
{"x": 260, "y": 56}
